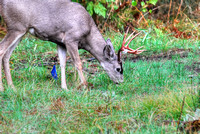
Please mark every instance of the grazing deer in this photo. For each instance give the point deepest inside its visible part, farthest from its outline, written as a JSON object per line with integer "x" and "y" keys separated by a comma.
{"x": 65, "y": 23}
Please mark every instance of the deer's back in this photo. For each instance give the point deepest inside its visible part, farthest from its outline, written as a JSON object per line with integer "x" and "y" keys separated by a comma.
{"x": 48, "y": 17}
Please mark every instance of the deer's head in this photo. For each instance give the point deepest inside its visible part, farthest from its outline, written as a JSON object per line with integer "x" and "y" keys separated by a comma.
{"x": 112, "y": 63}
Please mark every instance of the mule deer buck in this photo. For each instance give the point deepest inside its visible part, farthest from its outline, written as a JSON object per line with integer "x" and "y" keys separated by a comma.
{"x": 65, "y": 23}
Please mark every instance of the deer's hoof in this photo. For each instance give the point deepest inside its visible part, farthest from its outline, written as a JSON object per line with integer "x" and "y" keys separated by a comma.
{"x": 65, "y": 89}
{"x": 13, "y": 87}
{"x": 82, "y": 86}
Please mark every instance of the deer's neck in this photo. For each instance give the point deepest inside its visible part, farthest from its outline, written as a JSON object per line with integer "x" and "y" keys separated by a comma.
{"x": 96, "y": 44}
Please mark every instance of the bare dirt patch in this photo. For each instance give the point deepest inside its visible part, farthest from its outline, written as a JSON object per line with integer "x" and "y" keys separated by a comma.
{"x": 194, "y": 67}
{"x": 182, "y": 53}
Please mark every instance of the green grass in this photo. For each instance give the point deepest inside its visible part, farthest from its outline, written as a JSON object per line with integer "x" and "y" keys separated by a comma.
{"x": 152, "y": 91}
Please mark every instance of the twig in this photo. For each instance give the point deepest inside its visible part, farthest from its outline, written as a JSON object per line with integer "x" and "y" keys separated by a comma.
{"x": 125, "y": 3}
{"x": 170, "y": 5}
{"x": 148, "y": 12}
{"x": 181, "y": 113}
{"x": 179, "y": 8}
{"x": 198, "y": 93}
{"x": 190, "y": 21}
{"x": 142, "y": 15}
{"x": 112, "y": 9}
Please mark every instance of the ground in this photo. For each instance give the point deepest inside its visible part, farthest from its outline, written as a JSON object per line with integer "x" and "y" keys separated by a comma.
{"x": 160, "y": 88}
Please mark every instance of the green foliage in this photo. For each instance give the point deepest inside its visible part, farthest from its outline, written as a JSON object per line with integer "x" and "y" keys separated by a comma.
{"x": 100, "y": 9}
{"x": 134, "y": 3}
{"x": 110, "y": 0}
{"x": 144, "y": 5}
{"x": 97, "y": 8}
{"x": 90, "y": 8}
{"x": 153, "y": 2}
{"x": 103, "y": 8}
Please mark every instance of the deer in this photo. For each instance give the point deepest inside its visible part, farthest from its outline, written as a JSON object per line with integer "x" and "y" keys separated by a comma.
{"x": 64, "y": 23}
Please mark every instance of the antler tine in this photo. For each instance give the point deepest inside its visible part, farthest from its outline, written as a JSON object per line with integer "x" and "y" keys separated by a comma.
{"x": 124, "y": 39}
{"x": 133, "y": 38}
{"x": 139, "y": 47}
{"x": 122, "y": 47}
{"x": 137, "y": 51}
{"x": 130, "y": 36}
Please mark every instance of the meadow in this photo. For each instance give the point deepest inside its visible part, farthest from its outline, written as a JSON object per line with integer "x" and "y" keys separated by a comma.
{"x": 160, "y": 88}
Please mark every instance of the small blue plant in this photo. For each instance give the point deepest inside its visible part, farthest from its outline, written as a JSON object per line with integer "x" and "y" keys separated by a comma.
{"x": 54, "y": 73}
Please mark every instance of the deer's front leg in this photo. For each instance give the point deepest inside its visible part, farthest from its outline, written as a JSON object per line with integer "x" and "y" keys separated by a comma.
{"x": 11, "y": 38}
{"x": 62, "y": 57}
{"x": 72, "y": 49}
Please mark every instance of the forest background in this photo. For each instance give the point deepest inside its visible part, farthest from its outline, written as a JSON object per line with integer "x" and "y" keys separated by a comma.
{"x": 180, "y": 17}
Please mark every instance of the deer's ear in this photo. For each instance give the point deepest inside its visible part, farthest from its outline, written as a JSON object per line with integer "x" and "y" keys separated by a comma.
{"x": 108, "y": 41}
{"x": 108, "y": 52}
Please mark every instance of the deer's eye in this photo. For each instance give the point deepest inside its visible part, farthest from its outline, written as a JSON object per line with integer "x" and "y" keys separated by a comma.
{"x": 118, "y": 69}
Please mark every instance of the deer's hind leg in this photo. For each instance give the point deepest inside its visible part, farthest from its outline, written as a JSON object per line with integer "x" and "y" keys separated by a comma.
{"x": 7, "y": 45}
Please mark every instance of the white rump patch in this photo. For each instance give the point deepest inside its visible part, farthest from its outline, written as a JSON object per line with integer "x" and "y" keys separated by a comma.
{"x": 32, "y": 31}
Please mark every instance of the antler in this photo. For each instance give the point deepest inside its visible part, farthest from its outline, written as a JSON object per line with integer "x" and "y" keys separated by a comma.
{"x": 127, "y": 48}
